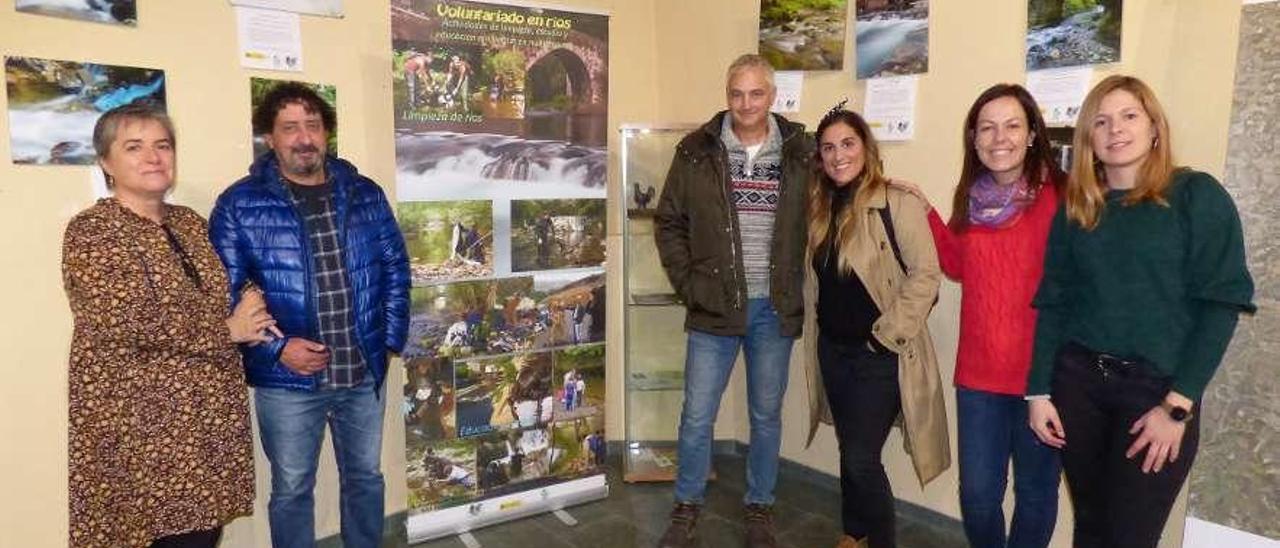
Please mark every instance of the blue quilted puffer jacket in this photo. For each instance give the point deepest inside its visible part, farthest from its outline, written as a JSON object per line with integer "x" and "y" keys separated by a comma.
{"x": 261, "y": 239}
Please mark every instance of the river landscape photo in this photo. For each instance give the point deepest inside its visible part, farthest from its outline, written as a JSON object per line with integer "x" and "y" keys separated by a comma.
{"x": 803, "y": 34}
{"x": 892, "y": 37}
{"x": 116, "y": 12}
{"x": 1066, "y": 33}
{"x": 53, "y": 105}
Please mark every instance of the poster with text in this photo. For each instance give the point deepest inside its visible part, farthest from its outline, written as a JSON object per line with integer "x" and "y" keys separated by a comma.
{"x": 500, "y": 132}
{"x": 53, "y": 105}
{"x": 494, "y": 100}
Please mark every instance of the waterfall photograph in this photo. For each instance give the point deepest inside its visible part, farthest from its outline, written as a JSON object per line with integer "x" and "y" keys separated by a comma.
{"x": 892, "y": 37}
{"x": 1067, "y": 33}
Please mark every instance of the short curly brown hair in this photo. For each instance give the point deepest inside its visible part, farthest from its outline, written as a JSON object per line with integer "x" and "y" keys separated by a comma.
{"x": 288, "y": 93}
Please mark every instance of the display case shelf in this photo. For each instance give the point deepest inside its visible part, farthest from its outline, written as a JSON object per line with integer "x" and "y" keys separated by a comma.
{"x": 653, "y": 320}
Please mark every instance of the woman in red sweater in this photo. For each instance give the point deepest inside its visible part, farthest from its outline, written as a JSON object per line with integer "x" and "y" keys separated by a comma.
{"x": 993, "y": 246}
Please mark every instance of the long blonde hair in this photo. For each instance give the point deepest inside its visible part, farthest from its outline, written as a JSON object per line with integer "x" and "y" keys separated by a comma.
{"x": 1086, "y": 186}
{"x": 871, "y": 178}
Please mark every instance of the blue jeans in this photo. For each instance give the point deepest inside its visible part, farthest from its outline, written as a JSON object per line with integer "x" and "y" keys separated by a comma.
{"x": 993, "y": 429}
{"x": 291, "y": 425}
{"x": 708, "y": 362}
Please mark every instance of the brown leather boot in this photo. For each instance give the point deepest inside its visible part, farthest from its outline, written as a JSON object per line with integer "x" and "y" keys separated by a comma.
{"x": 847, "y": 541}
{"x": 684, "y": 519}
{"x": 759, "y": 522}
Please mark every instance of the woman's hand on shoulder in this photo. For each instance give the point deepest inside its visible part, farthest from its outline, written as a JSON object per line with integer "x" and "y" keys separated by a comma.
{"x": 912, "y": 189}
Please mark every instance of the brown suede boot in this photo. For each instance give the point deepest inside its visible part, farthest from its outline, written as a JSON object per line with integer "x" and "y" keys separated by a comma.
{"x": 847, "y": 541}
{"x": 759, "y": 521}
{"x": 684, "y": 519}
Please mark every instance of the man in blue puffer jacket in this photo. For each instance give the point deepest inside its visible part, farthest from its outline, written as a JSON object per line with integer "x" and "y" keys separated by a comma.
{"x": 321, "y": 242}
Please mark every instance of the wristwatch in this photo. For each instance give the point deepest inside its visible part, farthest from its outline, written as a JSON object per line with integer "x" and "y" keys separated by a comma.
{"x": 1176, "y": 412}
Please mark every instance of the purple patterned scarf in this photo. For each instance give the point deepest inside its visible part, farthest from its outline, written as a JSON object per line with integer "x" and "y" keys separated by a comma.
{"x": 994, "y": 205}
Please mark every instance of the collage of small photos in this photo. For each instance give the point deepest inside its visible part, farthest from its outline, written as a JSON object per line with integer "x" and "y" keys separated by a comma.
{"x": 500, "y": 154}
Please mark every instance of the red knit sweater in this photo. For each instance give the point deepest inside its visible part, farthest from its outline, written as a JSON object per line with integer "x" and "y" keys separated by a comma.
{"x": 998, "y": 270}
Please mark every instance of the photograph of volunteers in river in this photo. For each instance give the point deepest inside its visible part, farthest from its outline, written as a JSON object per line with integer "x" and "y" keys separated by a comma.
{"x": 447, "y": 240}
{"x": 431, "y": 82}
{"x": 1065, "y": 33}
{"x": 570, "y": 307}
{"x": 258, "y": 88}
{"x": 553, "y": 234}
{"x": 469, "y": 319}
{"x": 473, "y": 318}
{"x": 53, "y": 105}
{"x": 429, "y": 403}
{"x": 489, "y": 94}
{"x": 578, "y": 446}
{"x": 579, "y": 377}
{"x": 506, "y": 459}
{"x": 440, "y": 474}
{"x": 892, "y": 37}
{"x": 803, "y": 34}
{"x": 511, "y": 391}
{"x": 116, "y": 12}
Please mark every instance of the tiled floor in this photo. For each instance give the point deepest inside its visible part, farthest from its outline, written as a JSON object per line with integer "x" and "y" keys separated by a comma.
{"x": 634, "y": 515}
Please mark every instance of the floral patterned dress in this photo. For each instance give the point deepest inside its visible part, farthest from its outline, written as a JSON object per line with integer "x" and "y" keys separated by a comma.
{"x": 160, "y": 440}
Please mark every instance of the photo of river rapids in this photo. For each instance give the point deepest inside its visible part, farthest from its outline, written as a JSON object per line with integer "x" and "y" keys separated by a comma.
{"x": 437, "y": 164}
{"x": 892, "y": 38}
{"x": 53, "y": 105}
{"x": 118, "y": 12}
{"x": 1066, "y": 33}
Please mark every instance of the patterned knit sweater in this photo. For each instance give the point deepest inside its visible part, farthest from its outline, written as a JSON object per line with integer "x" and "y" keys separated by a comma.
{"x": 998, "y": 270}
{"x": 755, "y": 181}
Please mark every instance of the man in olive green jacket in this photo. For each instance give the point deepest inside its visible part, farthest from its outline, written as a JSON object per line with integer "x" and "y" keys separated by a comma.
{"x": 730, "y": 230}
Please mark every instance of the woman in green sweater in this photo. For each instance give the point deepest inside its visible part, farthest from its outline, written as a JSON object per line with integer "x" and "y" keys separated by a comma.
{"x": 1143, "y": 282}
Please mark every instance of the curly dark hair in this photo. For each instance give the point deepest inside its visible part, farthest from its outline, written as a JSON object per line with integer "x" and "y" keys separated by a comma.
{"x": 285, "y": 94}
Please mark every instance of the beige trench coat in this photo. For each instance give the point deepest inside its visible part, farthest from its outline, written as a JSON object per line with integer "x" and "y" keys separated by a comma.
{"x": 906, "y": 301}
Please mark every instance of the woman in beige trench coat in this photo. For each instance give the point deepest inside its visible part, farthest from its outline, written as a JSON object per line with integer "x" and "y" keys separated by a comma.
{"x": 870, "y": 361}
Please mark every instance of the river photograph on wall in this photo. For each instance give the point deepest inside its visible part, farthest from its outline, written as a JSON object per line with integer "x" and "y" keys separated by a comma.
{"x": 892, "y": 37}
{"x": 53, "y": 105}
{"x": 1066, "y": 33}
{"x": 803, "y": 34}
{"x": 495, "y": 101}
{"x": 116, "y": 12}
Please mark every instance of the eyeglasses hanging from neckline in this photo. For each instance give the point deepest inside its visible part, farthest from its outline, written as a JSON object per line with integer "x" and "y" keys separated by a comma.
{"x": 187, "y": 265}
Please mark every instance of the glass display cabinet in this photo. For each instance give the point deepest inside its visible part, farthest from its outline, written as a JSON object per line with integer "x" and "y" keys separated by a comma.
{"x": 653, "y": 321}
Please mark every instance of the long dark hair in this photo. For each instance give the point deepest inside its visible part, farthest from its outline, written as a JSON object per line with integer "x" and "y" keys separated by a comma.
{"x": 1039, "y": 167}
{"x": 871, "y": 178}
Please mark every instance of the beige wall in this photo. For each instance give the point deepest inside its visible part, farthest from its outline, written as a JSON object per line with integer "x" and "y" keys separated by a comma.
{"x": 667, "y": 60}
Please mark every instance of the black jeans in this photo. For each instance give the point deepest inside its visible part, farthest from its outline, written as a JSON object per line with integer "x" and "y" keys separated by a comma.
{"x": 862, "y": 390}
{"x": 1115, "y": 504}
{"x": 206, "y": 538}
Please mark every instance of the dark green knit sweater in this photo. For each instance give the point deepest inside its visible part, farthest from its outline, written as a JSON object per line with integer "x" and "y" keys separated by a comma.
{"x": 1162, "y": 283}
